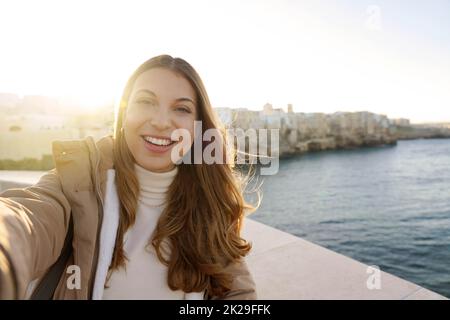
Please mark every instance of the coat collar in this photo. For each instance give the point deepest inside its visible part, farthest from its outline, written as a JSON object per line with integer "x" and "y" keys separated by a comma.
{"x": 82, "y": 153}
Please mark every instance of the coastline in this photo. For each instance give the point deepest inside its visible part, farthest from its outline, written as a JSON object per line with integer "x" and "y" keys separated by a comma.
{"x": 301, "y": 133}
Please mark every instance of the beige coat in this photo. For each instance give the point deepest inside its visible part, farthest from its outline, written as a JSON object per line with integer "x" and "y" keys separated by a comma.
{"x": 34, "y": 222}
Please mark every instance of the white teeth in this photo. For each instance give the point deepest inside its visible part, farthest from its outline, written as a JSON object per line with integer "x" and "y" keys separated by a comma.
{"x": 160, "y": 142}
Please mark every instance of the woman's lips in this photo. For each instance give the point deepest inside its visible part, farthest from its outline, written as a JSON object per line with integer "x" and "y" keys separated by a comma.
{"x": 157, "y": 148}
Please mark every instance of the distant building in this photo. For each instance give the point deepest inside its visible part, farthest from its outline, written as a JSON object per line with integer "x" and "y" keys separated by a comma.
{"x": 267, "y": 109}
{"x": 290, "y": 108}
{"x": 31, "y": 135}
{"x": 33, "y": 122}
{"x": 278, "y": 110}
{"x": 38, "y": 104}
{"x": 225, "y": 115}
{"x": 400, "y": 122}
{"x": 8, "y": 100}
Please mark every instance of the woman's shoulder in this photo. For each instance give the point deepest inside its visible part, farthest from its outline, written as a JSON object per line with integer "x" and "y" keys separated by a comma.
{"x": 86, "y": 144}
{"x": 105, "y": 146}
{"x": 75, "y": 160}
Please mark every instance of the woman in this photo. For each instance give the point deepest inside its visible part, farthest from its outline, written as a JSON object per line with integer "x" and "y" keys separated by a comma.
{"x": 147, "y": 224}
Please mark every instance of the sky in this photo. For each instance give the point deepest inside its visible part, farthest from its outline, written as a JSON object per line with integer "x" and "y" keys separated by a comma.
{"x": 389, "y": 57}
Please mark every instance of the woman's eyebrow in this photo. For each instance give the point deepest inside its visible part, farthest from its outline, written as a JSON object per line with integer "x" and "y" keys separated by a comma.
{"x": 145, "y": 91}
{"x": 154, "y": 95}
{"x": 185, "y": 99}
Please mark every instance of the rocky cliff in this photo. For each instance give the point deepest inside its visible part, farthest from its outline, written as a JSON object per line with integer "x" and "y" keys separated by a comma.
{"x": 423, "y": 131}
{"x": 305, "y": 132}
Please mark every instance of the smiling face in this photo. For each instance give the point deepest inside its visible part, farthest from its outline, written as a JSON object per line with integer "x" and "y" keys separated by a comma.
{"x": 160, "y": 102}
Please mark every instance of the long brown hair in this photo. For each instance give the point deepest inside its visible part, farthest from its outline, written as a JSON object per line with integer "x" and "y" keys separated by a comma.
{"x": 205, "y": 207}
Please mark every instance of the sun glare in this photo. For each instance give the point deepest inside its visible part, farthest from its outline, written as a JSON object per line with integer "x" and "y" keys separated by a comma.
{"x": 269, "y": 52}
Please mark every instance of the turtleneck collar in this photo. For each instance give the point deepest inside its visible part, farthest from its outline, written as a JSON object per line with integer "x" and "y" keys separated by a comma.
{"x": 154, "y": 185}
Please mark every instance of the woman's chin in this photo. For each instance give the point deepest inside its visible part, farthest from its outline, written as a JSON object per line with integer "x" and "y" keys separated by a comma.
{"x": 157, "y": 164}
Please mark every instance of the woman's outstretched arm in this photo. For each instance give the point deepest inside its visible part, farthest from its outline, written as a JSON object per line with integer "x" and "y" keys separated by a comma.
{"x": 33, "y": 226}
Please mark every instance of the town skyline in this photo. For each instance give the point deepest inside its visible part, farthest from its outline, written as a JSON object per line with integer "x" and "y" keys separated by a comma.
{"x": 70, "y": 106}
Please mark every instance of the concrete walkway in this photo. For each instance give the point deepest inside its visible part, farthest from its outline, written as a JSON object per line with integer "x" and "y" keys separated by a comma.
{"x": 288, "y": 267}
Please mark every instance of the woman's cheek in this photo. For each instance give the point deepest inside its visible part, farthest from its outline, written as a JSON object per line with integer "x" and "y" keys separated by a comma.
{"x": 188, "y": 125}
{"x": 133, "y": 121}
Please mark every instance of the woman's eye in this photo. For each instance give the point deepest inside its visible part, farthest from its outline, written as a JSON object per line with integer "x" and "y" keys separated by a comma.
{"x": 145, "y": 102}
{"x": 183, "y": 109}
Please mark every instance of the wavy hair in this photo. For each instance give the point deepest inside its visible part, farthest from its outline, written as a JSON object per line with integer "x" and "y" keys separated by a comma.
{"x": 202, "y": 220}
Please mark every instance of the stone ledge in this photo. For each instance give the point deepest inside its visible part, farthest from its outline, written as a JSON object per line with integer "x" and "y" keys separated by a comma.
{"x": 288, "y": 267}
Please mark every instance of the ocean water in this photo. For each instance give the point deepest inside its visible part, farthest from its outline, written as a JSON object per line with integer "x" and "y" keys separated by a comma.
{"x": 386, "y": 206}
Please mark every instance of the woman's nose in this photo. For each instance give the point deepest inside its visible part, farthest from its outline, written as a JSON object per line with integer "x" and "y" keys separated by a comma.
{"x": 160, "y": 119}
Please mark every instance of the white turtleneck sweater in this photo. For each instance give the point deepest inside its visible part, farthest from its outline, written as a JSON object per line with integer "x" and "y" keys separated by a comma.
{"x": 145, "y": 277}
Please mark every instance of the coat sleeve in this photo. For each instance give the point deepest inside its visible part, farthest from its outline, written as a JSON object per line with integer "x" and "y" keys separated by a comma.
{"x": 243, "y": 286}
{"x": 33, "y": 226}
